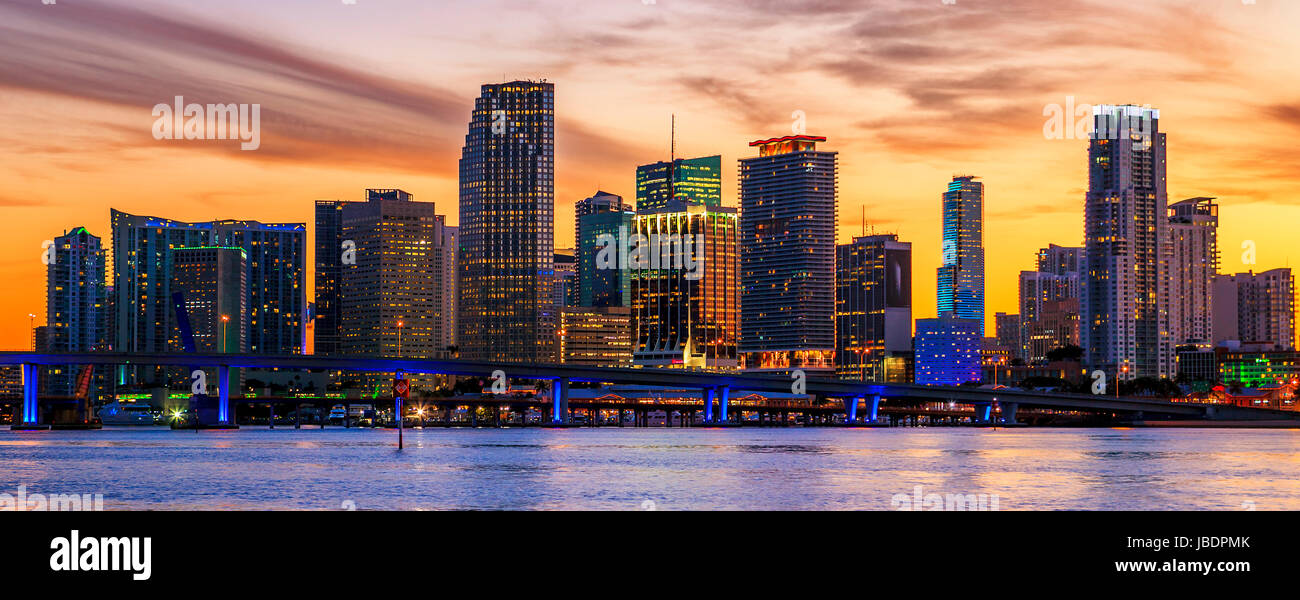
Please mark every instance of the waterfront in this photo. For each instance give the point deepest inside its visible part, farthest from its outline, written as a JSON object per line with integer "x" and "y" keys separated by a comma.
{"x": 664, "y": 469}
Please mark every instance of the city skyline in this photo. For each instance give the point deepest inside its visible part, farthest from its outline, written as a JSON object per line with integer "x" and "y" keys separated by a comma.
{"x": 47, "y": 179}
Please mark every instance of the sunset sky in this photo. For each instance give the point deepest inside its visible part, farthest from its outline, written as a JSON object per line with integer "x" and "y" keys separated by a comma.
{"x": 378, "y": 94}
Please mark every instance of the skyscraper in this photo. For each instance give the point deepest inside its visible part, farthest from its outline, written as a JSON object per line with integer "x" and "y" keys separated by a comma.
{"x": 1046, "y": 298}
{"x": 329, "y": 266}
{"x": 961, "y": 278}
{"x": 693, "y": 180}
{"x": 873, "y": 305}
{"x": 603, "y": 216}
{"x": 564, "y": 282}
{"x": 1256, "y": 307}
{"x": 143, "y": 270}
{"x": 1125, "y": 219}
{"x": 684, "y": 309}
{"x": 1193, "y": 264}
{"x": 787, "y": 268}
{"x": 507, "y": 214}
{"x": 75, "y": 304}
{"x": 399, "y": 276}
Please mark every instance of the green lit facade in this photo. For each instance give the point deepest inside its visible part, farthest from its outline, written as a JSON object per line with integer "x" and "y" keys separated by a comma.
{"x": 692, "y": 180}
{"x": 1259, "y": 369}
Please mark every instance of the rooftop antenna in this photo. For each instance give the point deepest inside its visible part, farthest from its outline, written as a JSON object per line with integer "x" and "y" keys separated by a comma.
{"x": 672, "y": 143}
{"x": 864, "y": 220}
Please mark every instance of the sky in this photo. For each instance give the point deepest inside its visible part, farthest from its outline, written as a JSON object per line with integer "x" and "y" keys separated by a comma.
{"x": 377, "y": 94}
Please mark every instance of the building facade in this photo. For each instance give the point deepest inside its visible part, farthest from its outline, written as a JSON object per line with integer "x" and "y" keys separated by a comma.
{"x": 690, "y": 180}
{"x": 601, "y": 219}
{"x": 596, "y": 336}
{"x": 275, "y": 270}
{"x": 76, "y": 305}
{"x": 873, "y": 306}
{"x": 1255, "y": 308}
{"x": 787, "y": 266}
{"x": 948, "y": 350}
{"x": 506, "y": 225}
{"x": 685, "y": 300}
{"x": 961, "y": 277}
{"x": 213, "y": 281}
{"x": 1125, "y": 223}
{"x": 1193, "y": 265}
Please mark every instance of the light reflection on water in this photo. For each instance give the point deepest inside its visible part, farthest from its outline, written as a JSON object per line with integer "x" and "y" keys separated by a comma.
{"x": 764, "y": 469}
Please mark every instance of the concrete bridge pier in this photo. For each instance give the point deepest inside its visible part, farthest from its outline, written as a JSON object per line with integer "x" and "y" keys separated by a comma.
{"x": 873, "y": 408}
{"x": 723, "y": 392}
{"x": 560, "y": 401}
{"x": 851, "y": 409}
{"x": 223, "y": 396}
{"x": 30, "y": 419}
{"x": 1009, "y": 412}
{"x": 709, "y": 395}
{"x": 983, "y": 412}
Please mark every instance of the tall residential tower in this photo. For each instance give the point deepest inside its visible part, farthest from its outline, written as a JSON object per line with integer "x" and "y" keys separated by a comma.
{"x": 961, "y": 278}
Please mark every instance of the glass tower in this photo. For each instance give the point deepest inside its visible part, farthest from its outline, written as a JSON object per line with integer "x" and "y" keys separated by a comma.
{"x": 692, "y": 180}
{"x": 507, "y": 222}
{"x": 961, "y": 278}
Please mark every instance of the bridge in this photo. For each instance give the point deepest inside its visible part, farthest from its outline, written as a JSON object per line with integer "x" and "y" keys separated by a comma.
{"x": 715, "y": 388}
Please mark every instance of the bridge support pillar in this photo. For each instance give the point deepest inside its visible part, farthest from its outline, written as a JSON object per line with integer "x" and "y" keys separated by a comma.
{"x": 851, "y": 409}
{"x": 223, "y": 395}
{"x": 983, "y": 412}
{"x": 31, "y": 411}
{"x": 724, "y": 393}
{"x": 560, "y": 401}
{"x": 873, "y": 408}
{"x": 709, "y": 395}
{"x": 1009, "y": 412}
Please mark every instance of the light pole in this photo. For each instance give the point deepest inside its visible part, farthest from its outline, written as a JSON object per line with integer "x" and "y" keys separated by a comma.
{"x": 222, "y": 344}
{"x": 399, "y": 339}
{"x": 1124, "y": 370}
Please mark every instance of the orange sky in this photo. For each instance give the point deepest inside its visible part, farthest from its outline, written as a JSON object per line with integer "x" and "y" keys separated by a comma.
{"x": 377, "y": 94}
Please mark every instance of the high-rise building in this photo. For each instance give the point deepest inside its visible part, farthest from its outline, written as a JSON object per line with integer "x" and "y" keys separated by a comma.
{"x": 75, "y": 304}
{"x": 1046, "y": 296}
{"x": 596, "y": 336}
{"x": 691, "y": 180}
{"x": 1125, "y": 222}
{"x": 143, "y": 272}
{"x": 396, "y": 297}
{"x": 787, "y": 268}
{"x": 1008, "y": 330}
{"x": 1255, "y": 308}
{"x": 564, "y": 282}
{"x": 601, "y": 219}
{"x": 1193, "y": 264}
{"x": 213, "y": 281}
{"x": 873, "y": 306}
{"x": 330, "y": 256}
{"x": 399, "y": 276}
{"x": 948, "y": 350}
{"x": 684, "y": 287}
{"x": 507, "y": 221}
{"x": 961, "y": 277}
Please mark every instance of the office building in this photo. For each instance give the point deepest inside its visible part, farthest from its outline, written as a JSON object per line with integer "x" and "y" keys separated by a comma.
{"x": 873, "y": 307}
{"x": 690, "y": 180}
{"x": 596, "y": 336}
{"x": 506, "y": 225}
{"x": 602, "y": 219}
{"x": 961, "y": 277}
{"x": 948, "y": 350}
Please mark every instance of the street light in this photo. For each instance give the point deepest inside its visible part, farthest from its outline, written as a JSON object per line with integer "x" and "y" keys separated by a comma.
{"x": 1124, "y": 369}
{"x": 223, "y": 345}
{"x": 399, "y": 339}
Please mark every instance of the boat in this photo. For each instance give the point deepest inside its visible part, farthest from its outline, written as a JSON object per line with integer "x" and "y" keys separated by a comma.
{"x": 126, "y": 414}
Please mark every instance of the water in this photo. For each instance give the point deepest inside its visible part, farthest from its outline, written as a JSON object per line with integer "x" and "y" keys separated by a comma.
{"x": 665, "y": 469}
